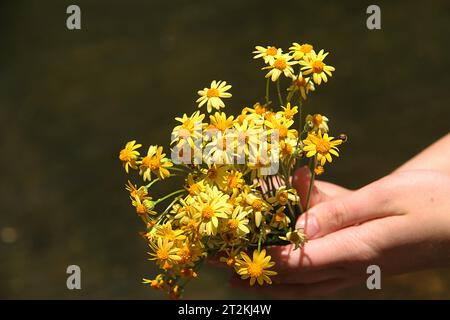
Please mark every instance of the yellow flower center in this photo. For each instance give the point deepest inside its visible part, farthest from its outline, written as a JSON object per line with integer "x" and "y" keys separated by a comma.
{"x": 230, "y": 261}
{"x": 212, "y": 173}
{"x": 260, "y": 110}
{"x": 283, "y": 131}
{"x": 257, "y": 205}
{"x": 300, "y": 82}
{"x": 154, "y": 163}
{"x": 185, "y": 254}
{"x": 282, "y": 197}
{"x": 126, "y": 155}
{"x": 286, "y": 148}
{"x": 207, "y": 212}
{"x": 306, "y": 48}
{"x": 319, "y": 170}
{"x": 140, "y": 209}
{"x": 317, "y": 119}
{"x": 289, "y": 113}
{"x": 323, "y": 146}
{"x": 254, "y": 269}
{"x": 271, "y": 51}
{"x": 233, "y": 224}
{"x": 279, "y": 217}
{"x": 280, "y": 64}
{"x": 213, "y": 92}
{"x": 232, "y": 181}
{"x": 162, "y": 254}
{"x": 194, "y": 189}
{"x": 318, "y": 66}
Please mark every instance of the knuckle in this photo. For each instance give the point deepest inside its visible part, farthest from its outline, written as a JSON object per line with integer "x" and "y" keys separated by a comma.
{"x": 336, "y": 215}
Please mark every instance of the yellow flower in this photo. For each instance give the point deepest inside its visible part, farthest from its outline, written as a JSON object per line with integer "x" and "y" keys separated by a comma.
{"x": 233, "y": 181}
{"x": 157, "y": 283}
{"x": 212, "y": 96}
{"x": 255, "y": 268}
{"x": 281, "y": 125}
{"x": 220, "y": 121}
{"x": 283, "y": 196}
{"x": 165, "y": 231}
{"x": 319, "y": 170}
{"x": 296, "y": 237}
{"x": 231, "y": 257}
{"x": 302, "y": 85}
{"x": 143, "y": 206}
{"x": 257, "y": 109}
{"x": 281, "y": 65}
{"x": 175, "y": 292}
{"x": 238, "y": 223}
{"x": 129, "y": 155}
{"x": 194, "y": 187}
{"x": 317, "y": 122}
{"x": 298, "y": 51}
{"x": 190, "y": 252}
{"x": 211, "y": 204}
{"x": 314, "y": 64}
{"x": 135, "y": 192}
{"x": 267, "y": 53}
{"x": 280, "y": 220}
{"x": 164, "y": 252}
{"x": 287, "y": 147}
{"x": 156, "y": 163}
{"x": 257, "y": 206}
{"x": 322, "y": 146}
{"x": 215, "y": 174}
{"x": 189, "y": 130}
{"x": 289, "y": 112}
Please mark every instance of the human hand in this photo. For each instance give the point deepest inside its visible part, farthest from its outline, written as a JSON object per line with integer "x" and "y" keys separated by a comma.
{"x": 400, "y": 223}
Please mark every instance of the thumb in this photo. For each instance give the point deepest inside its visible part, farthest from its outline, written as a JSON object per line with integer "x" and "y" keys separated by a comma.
{"x": 301, "y": 181}
{"x": 362, "y": 205}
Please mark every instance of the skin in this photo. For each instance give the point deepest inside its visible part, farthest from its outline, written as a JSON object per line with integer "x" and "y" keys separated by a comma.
{"x": 400, "y": 222}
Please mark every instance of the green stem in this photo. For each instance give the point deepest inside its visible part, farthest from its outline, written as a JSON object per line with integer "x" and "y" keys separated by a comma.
{"x": 279, "y": 92}
{"x": 169, "y": 195}
{"x": 152, "y": 183}
{"x": 267, "y": 90}
{"x": 260, "y": 239}
{"x": 179, "y": 169}
{"x": 311, "y": 183}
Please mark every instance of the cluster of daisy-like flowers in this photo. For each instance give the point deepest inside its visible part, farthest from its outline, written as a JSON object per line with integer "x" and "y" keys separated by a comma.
{"x": 233, "y": 203}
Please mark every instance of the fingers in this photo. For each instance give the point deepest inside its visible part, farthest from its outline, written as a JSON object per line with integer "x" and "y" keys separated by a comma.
{"x": 336, "y": 252}
{"x": 360, "y": 206}
{"x": 331, "y": 189}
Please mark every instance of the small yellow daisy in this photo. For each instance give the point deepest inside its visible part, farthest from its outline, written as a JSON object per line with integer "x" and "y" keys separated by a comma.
{"x": 281, "y": 65}
{"x": 322, "y": 146}
{"x": 267, "y": 53}
{"x": 129, "y": 155}
{"x": 255, "y": 268}
{"x": 155, "y": 162}
{"x": 314, "y": 64}
{"x": 298, "y": 51}
{"x": 212, "y": 96}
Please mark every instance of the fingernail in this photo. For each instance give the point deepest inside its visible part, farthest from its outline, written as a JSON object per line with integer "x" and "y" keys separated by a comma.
{"x": 310, "y": 227}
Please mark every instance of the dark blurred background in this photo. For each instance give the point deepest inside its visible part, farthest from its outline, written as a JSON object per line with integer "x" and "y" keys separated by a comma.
{"x": 69, "y": 100}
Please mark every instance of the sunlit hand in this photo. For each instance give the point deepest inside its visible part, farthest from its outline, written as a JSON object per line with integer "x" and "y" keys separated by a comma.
{"x": 400, "y": 223}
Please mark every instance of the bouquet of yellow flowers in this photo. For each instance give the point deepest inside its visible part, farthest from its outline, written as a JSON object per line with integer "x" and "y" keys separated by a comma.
{"x": 237, "y": 195}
